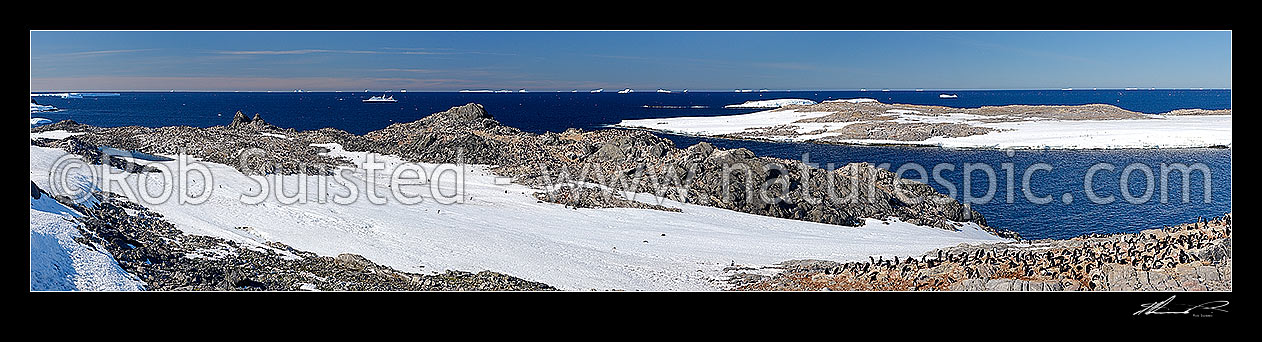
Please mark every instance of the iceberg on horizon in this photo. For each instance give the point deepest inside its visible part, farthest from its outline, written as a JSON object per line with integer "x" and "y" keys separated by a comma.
{"x": 777, "y": 103}
{"x": 36, "y": 108}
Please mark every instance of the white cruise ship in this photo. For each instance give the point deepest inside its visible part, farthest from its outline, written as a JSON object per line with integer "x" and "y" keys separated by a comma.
{"x": 947, "y": 96}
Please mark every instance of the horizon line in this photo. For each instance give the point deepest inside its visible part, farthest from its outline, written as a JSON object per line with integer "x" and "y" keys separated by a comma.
{"x": 647, "y": 90}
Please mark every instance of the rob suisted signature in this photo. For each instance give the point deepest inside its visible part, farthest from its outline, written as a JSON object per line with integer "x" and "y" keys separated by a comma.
{"x": 1165, "y": 308}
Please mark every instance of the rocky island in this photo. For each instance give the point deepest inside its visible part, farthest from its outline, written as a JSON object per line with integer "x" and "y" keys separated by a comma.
{"x": 869, "y": 122}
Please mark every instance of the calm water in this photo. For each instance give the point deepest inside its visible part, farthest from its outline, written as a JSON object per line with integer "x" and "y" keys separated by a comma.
{"x": 539, "y": 112}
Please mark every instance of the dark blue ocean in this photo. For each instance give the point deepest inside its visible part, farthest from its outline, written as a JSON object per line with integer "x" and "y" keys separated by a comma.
{"x": 542, "y": 111}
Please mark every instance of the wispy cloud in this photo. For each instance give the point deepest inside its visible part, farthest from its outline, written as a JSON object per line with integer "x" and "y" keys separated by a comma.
{"x": 411, "y": 70}
{"x": 383, "y": 51}
{"x": 622, "y": 57}
{"x": 99, "y": 52}
{"x": 290, "y": 52}
{"x": 786, "y": 65}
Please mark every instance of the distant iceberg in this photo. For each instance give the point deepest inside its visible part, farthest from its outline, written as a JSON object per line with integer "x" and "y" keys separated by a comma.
{"x": 36, "y": 108}
{"x": 40, "y": 121}
{"x": 777, "y": 103}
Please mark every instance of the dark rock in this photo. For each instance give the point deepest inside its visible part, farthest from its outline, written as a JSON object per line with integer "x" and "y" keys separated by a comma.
{"x": 239, "y": 120}
{"x": 354, "y": 261}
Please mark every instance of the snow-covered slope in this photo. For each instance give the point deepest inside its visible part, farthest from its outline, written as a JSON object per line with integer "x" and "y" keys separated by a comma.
{"x": 1154, "y": 132}
{"x": 501, "y": 227}
{"x": 59, "y": 262}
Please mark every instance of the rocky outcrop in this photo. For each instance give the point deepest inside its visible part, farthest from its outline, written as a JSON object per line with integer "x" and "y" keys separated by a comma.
{"x": 619, "y": 160}
{"x": 1189, "y": 257}
{"x": 628, "y": 160}
{"x": 1198, "y": 112}
{"x": 240, "y": 122}
{"x": 590, "y": 197}
{"x": 36, "y": 192}
{"x": 93, "y": 154}
{"x": 240, "y": 144}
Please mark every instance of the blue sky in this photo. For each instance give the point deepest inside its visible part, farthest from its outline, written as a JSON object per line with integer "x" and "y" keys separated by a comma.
{"x": 564, "y": 60}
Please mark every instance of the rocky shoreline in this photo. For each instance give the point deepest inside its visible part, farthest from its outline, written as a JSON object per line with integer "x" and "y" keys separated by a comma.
{"x": 1189, "y": 257}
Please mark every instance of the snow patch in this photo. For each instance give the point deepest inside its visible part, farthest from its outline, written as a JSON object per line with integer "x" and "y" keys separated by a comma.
{"x": 59, "y": 262}
{"x": 54, "y": 135}
{"x": 35, "y": 108}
